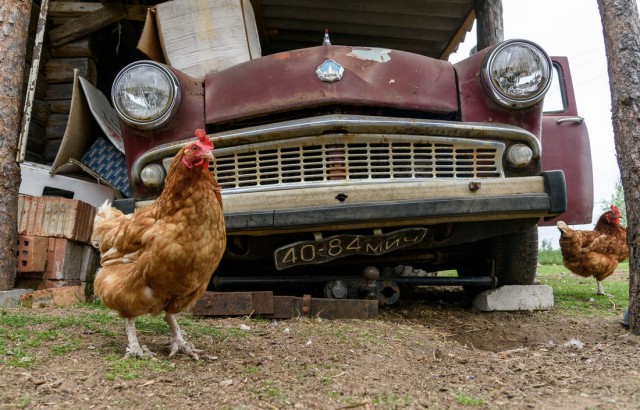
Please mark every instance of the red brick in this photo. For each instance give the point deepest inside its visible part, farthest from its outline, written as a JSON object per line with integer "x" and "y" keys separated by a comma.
{"x": 64, "y": 259}
{"x": 32, "y": 253}
{"x": 55, "y": 217}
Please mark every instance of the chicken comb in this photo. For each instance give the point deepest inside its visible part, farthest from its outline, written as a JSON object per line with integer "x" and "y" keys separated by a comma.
{"x": 615, "y": 209}
{"x": 204, "y": 140}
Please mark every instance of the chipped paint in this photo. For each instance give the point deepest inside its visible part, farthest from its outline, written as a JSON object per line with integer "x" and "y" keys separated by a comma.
{"x": 381, "y": 55}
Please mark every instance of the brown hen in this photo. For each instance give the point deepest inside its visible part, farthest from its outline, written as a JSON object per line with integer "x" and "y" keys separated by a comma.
{"x": 595, "y": 253}
{"x": 161, "y": 257}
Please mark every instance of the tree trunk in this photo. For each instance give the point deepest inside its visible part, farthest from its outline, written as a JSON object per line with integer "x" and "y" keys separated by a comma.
{"x": 489, "y": 23}
{"x": 622, "y": 43}
{"x": 14, "y": 24}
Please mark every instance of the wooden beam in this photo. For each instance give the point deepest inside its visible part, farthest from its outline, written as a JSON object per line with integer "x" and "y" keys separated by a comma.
{"x": 489, "y": 18}
{"x": 72, "y": 9}
{"x": 87, "y": 24}
{"x": 33, "y": 81}
{"x": 61, "y": 70}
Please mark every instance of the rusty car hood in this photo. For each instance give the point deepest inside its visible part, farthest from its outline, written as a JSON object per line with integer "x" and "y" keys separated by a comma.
{"x": 372, "y": 77}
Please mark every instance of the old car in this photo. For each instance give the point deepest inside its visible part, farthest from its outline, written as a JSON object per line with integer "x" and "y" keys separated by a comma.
{"x": 352, "y": 168}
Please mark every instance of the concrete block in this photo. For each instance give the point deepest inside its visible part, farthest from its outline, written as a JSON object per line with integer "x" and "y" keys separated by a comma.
{"x": 90, "y": 263}
{"x": 515, "y": 297}
{"x": 32, "y": 253}
{"x": 11, "y": 298}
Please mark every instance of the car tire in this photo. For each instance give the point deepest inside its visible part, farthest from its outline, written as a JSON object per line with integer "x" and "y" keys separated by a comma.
{"x": 511, "y": 258}
{"x": 516, "y": 257}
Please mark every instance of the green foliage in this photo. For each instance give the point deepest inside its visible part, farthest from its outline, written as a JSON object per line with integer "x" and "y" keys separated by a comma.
{"x": 547, "y": 255}
{"x": 616, "y": 199}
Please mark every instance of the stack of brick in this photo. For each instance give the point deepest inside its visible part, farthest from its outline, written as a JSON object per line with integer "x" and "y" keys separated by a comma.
{"x": 54, "y": 248}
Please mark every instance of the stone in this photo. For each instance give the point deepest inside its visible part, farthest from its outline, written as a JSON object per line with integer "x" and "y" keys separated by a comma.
{"x": 47, "y": 298}
{"x": 11, "y": 298}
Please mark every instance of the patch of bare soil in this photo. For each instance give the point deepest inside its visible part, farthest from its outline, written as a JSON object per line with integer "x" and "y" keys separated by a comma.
{"x": 428, "y": 351}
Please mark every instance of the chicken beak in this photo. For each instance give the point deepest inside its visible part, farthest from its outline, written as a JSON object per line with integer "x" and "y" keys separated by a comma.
{"x": 207, "y": 155}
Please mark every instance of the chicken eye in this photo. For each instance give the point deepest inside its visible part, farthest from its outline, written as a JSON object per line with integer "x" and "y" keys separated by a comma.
{"x": 195, "y": 147}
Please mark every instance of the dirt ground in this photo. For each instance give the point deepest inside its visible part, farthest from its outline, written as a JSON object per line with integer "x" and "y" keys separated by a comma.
{"x": 427, "y": 351}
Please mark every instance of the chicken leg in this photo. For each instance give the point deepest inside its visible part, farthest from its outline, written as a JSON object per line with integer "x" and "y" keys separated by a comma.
{"x": 134, "y": 349}
{"x": 178, "y": 344}
{"x": 600, "y": 288}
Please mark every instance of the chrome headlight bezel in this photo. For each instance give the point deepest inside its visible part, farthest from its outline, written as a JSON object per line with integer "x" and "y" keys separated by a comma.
{"x": 510, "y": 100}
{"x": 165, "y": 114}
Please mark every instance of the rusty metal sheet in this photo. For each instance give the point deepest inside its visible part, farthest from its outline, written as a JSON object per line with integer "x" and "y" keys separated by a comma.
{"x": 234, "y": 303}
{"x": 288, "y": 81}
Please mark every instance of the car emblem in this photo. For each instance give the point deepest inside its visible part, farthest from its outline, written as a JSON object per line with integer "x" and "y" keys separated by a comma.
{"x": 329, "y": 71}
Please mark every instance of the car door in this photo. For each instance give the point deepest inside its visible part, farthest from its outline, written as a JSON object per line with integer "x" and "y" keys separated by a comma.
{"x": 565, "y": 146}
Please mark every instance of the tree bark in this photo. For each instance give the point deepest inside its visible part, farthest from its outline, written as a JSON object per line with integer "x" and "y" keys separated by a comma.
{"x": 489, "y": 23}
{"x": 621, "y": 30}
{"x": 14, "y": 24}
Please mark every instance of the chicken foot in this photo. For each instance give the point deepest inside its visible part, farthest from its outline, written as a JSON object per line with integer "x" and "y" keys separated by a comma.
{"x": 134, "y": 349}
{"x": 178, "y": 344}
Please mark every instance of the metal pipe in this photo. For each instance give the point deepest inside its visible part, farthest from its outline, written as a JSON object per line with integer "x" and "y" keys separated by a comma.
{"x": 225, "y": 283}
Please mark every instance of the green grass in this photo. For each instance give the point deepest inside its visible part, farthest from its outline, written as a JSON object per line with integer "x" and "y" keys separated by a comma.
{"x": 575, "y": 295}
{"x": 28, "y": 339}
{"x": 390, "y": 400}
{"x": 471, "y": 401}
{"x": 134, "y": 368}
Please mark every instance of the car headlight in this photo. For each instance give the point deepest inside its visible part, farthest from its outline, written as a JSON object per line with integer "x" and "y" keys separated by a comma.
{"x": 146, "y": 94}
{"x": 517, "y": 73}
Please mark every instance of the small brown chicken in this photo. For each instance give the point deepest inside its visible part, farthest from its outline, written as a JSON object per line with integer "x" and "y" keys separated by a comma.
{"x": 595, "y": 253}
{"x": 161, "y": 258}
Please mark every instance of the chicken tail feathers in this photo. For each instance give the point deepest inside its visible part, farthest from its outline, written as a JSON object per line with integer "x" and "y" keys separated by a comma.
{"x": 563, "y": 228}
{"x": 104, "y": 222}
{"x": 106, "y": 204}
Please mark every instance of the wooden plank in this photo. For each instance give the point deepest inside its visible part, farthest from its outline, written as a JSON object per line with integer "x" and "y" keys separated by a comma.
{"x": 234, "y": 304}
{"x": 56, "y": 125}
{"x": 76, "y": 48}
{"x": 286, "y": 307}
{"x": 59, "y": 91}
{"x": 73, "y": 9}
{"x": 40, "y": 112}
{"x": 36, "y": 139}
{"x": 33, "y": 79}
{"x": 60, "y": 106}
{"x": 87, "y": 24}
{"x": 51, "y": 150}
{"x": 61, "y": 70}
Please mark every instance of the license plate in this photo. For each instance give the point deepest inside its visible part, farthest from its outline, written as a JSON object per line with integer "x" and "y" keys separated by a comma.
{"x": 339, "y": 246}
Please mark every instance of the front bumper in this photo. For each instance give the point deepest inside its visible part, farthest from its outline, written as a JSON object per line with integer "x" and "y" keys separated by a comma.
{"x": 395, "y": 204}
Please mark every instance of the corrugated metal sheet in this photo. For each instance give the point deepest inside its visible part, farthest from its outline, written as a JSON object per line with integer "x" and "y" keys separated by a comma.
{"x": 430, "y": 28}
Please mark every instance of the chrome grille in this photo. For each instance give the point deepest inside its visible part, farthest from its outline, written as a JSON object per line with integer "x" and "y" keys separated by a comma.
{"x": 331, "y": 159}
